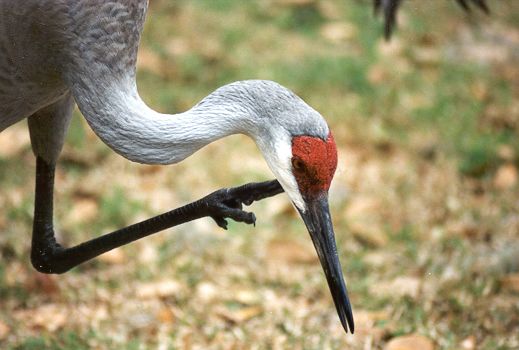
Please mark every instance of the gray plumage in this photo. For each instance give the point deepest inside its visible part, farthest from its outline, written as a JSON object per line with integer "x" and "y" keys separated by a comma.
{"x": 54, "y": 48}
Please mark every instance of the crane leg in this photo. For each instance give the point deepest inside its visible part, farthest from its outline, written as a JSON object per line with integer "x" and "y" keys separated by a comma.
{"x": 48, "y": 256}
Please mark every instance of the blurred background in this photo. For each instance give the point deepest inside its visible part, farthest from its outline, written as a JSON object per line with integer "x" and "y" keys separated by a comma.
{"x": 425, "y": 199}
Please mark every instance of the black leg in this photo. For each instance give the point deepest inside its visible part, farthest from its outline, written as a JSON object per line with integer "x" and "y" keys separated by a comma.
{"x": 49, "y": 257}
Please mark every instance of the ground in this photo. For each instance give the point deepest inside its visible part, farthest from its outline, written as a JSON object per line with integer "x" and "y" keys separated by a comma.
{"x": 425, "y": 200}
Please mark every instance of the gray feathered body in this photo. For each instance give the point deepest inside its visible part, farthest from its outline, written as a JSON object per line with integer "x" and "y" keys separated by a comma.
{"x": 48, "y": 45}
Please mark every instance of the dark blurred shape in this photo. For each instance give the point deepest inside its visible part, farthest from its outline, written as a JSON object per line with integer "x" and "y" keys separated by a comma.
{"x": 390, "y": 8}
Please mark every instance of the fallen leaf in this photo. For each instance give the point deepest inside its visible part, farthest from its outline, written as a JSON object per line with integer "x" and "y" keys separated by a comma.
{"x": 206, "y": 291}
{"x": 378, "y": 258}
{"x": 149, "y": 60}
{"x": 329, "y": 10}
{"x": 479, "y": 90}
{"x": 291, "y": 251}
{"x": 469, "y": 343}
{"x": 506, "y": 152}
{"x": 246, "y": 296}
{"x": 377, "y": 74}
{"x": 361, "y": 214}
{"x": 83, "y": 211}
{"x": 177, "y": 47}
{"x": 366, "y": 323}
{"x": 390, "y": 48}
{"x": 506, "y": 177}
{"x": 187, "y": 341}
{"x": 141, "y": 319}
{"x": 362, "y": 207}
{"x": 13, "y": 141}
{"x": 410, "y": 342}
{"x": 465, "y": 228}
{"x": 166, "y": 315}
{"x": 49, "y": 317}
{"x": 427, "y": 56}
{"x": 280, "y": 207}
{"x": 148, "y": 254}
{"x": 83, "y": 159}
{"x": 42, "y": 283}
{"x": 115, "y": 257}
{"x": 338, "y": 31}
{"x": 369, "y": 233}
{"x": 511, "y": 282}
{"x": 400, "y": 286}
{"x": 240, "y": 315}
{"x": 296, "y": 2}
{"x": 4, "y": 330}
{"x": 161, "y": 289}
{"x": 16, "y": 273}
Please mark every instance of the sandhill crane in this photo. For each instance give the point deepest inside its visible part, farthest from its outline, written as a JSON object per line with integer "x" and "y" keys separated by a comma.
{"x": 59, "y": 52}
{"x": 55, "y": 53}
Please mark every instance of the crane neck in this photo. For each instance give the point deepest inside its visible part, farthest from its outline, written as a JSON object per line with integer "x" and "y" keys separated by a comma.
{"x": 126, "y": 124}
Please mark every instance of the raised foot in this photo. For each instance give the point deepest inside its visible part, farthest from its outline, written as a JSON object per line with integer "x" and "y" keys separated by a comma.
{"x": 227, "y": 203}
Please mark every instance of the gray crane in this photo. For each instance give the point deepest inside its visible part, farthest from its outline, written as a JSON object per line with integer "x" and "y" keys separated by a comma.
{"x": 55, "y": 53}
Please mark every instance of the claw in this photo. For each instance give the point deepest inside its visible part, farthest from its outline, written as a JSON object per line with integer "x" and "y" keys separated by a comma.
{"x": 252, "y": 219}
{"x": 220, "y": 221}
{"x": 228, "y": 203}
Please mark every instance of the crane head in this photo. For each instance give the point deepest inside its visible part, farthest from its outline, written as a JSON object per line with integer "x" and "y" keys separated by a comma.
{"x": 299, "y": 148}
{"x": 313, "y": 162}
{"x": 304, "y": 165}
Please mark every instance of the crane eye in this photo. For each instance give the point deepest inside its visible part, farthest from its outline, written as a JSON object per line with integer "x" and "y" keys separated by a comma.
{"x": 298, "y": 164}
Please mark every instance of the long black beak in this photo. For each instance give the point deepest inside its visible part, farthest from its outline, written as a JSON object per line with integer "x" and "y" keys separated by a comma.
{"x": 319, "y": 223}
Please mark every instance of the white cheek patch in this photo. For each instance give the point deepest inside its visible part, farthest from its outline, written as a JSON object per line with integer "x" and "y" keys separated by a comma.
{"x": 281, "y": 165}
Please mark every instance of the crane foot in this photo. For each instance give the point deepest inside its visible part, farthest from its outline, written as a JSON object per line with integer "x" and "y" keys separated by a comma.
{"x": 227, "y": 203}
